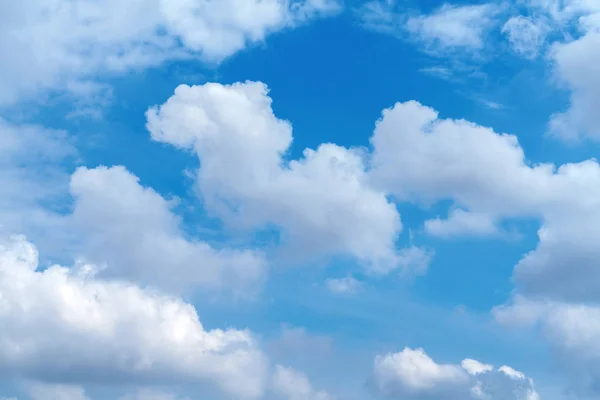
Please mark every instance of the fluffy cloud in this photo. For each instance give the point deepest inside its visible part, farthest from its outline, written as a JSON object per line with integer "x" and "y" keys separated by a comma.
{"x": 421, "y": 158}
{"x": 65, "y": 45}
{"x": 114, "y": 220}
{"x": 575, "y": 25}
{"x": 64, "y": 325}
{"x": 424, "y": 159}
{"x": 322, "y": 203}
{"x": 290, "y": 384}
{"x": 574, "y": 63}
{"x": 133, "y": 230}
{"x": 572, "y": 329}
{"x": 412, "y": 374}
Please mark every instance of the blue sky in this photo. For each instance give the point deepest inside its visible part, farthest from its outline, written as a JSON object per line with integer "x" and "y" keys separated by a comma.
{"x": 191, "y": 247}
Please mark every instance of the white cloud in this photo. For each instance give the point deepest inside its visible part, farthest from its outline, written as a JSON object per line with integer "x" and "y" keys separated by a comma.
{"x": 452, "y": 27}
{"x": 296, "y": 343}
{"x": 574, "y": 26}
{"x": 64, "y": 325}
{"x": 114, "y": 220}
{"x": 59, "y": 43}
{"x": 461, "y": 222}
{"x": 413, "y": 375}
{"x": 424, "y": 159}
{"x": 380, "y": 16}
{"x": 526, "y": 35}
{"x": 448, "y": 28}
{"x": 134, "y": 231}
{"x": 492, "y": 105}
{"x": 33, "y": 183}
{"x": 421, "y": 158}
{"x": 563, "y": 11}
{"x": 574, "y": 65}
{"x": 290, "y": 384}
{"x": 322, "y": 203}
{"x": 572, "y": 329}
{"x": 347, "y": 285}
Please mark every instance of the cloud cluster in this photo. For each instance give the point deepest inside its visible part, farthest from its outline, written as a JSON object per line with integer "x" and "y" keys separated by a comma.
{"x": 63, "y": 324}
{"x": 488, "y": 178}
{"x": 572, "y": 329}
{"x": 133, "y": 231}
{"x": 573, "y": 53}
{"x": 112, "y": 219}
{"x": 323, "y": 203}
{"x": 487, "y": 175}
{"x": 413, "y": 375}
{"x": 566, "y": 32}
{"x": 91, "y": 322}
{"x": 66, "y": 45}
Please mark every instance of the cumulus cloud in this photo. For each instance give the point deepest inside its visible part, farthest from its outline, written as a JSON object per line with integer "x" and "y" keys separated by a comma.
{"x": 572, "y": 329}
{"x": 574, "y": 63}
{"x": 424, "y": 159}
{"x": 421, "y": 158}
{"x": 112, "y": 219}
{"x": 413, "y": 375}
{"x": 289, "y": 384}
{"x": 64, "y": 325}
{"x": 574, "y": 28}
{"x": 133, "y": 230}
{"x": 62, "y": 44}
{"x": 322, "y": 203}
